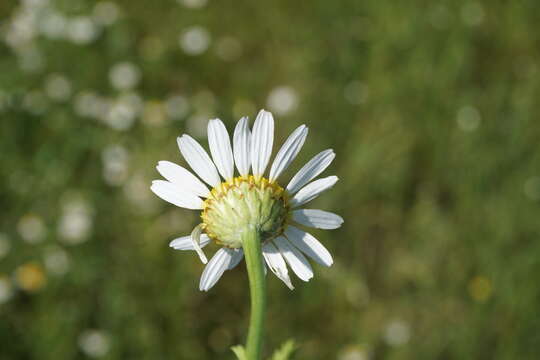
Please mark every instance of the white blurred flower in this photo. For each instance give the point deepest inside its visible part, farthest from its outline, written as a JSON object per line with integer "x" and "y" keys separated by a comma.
{"x": 136, "y": 191}
{"x": 176, "y": 107}
{"x": 397, "y": 333}
{"x": 124, "y": 76}
{"x": 122, "y": 113}
{"x": 106, "y": 13}
{"x": 115, "y": 164}
{"x": 56, "y": 260}
{"x": 195, "y": 40}
{"x": 6, "y": 289}
{"x": 354, "y": 353}
{"x": 472, "y": 13}
{"x": 22, "y": 29}
{"x": 90, "y": 104}
{"x": 34, "y": 3}
{"x": 282, "y": 100}
{"x": 196, "y": 124}
{"x": 94, "y": 343}
{"x": 5, "y": 245}
{"x": 193, "y": 4}
{"x": 76, "y": 221}
{"x": 468, "y": 118}
{"x": 58, "y": 87}
{"x": 439, "y": 16}
{"x": 30, "y": 59}
{"x": 53, "y": 25}
{"x": 356, "y": 93}
{"x": 82, "y": 30}
{"x": 531, "y": 188}
{"x": 228, "y": 48}
{"x": 31, "y": 228}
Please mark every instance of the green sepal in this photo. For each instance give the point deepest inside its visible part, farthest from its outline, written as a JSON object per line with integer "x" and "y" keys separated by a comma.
{"x": 240, "y": 352}
{"x": 285, "y": 351}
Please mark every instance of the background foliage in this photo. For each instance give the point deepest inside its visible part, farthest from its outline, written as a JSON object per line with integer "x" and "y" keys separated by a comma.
{"x": 430, "y": 106}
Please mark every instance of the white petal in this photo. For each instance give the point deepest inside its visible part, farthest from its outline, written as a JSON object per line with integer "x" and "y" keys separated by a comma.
{"x": 184, "y": 242}
{"x": 275, "y": 262}
{"x": 288, "y": 152}
{"x": 198, "y": 159}
{"x": 215, "y": 268}
{"x": 175, "y": 195}
{"x": 237, "y": 256}
{"x": 309, "y": 245}
{"x": 314, "y": 167}
{"x": 318, "y": 219}
{"x": 294, "y": 258}
{"x": 182, "y": 178}
{"x": 261, "y": 142}
{"x": 242, "y": 146}
{"x": 220, "y": 147}
{"x": 195, "y": 240}
{"x": 312, "y": 190}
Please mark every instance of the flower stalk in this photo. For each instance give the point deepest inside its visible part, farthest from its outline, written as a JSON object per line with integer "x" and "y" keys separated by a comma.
{"x": 251, "y": 240}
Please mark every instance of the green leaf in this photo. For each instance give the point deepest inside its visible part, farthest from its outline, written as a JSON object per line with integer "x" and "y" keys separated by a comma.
{"x": 240, "y": 352}
{"x": 285, "y": 351}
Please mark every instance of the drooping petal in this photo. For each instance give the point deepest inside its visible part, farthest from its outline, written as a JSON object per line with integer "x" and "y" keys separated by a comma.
{"x": 198, "y": 159}
{"x": 220, "y": 147}
{"x": 309, "y": 245}
{"x": 294, "y": 258}
{"x": 215, "y": 268}
{"x": 312, "y": 190}
{"x": 195, "y": 240}
{"x": 175, "y": 195}
{"x": 261, "y": 142}
{"x": 242, "y": 146}
{"x": 288, "y": 152}
{"x": 276, "y": 263}
{"x": 237, "y": 256}
{"x": 313, "y": 168}
{"x": 183, "y": 178}
{"x": 318, "y": 219}
{"x": 185, "y": 242}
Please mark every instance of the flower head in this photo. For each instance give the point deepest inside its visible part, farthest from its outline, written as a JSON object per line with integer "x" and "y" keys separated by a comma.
{"x": 250, "y": 200}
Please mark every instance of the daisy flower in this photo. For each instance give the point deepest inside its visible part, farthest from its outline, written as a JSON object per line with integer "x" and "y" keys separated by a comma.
{"x": 250, "y": 200}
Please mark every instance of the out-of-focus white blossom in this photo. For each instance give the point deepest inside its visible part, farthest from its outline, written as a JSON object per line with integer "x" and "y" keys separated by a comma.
{"x": 124, "y": 76}
{"x": 56, "y": 260}
{"x": 176, "y": 107}
{"x": 94, "y": 343}
{"x": 282, "y": 100}
{"x": 468, "y": 118}
{"x": 105, "y": 13}
{"x": 76, "y": 220}
{"x": 82, "y": 30}
{"x": 58, "y": 87}
{"x": 115, "y": 164}
{"x": 31, "y": 228}
{"x": 195, "y": 40}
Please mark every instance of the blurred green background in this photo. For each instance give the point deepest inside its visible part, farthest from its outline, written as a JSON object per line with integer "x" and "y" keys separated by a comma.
{"x": 431, "y": 107}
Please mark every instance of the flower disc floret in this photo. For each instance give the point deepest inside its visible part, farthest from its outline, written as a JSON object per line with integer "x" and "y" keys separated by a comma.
{"x": 245, "y": 203}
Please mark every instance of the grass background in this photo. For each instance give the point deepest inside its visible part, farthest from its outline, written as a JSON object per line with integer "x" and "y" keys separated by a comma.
{"x": 431, "y": 107}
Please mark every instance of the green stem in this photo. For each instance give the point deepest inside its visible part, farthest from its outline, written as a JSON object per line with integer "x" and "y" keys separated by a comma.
{"x": 257, "y": 283}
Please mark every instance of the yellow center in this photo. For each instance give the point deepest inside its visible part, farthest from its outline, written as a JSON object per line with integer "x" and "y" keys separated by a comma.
{"x": 245, "y": 203}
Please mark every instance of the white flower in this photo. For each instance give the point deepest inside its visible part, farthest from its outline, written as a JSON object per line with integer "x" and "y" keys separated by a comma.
{"x": 249, "y": 200}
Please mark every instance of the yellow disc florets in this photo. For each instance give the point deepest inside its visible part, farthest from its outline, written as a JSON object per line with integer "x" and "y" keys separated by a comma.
{"x": 245, "y": 203}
